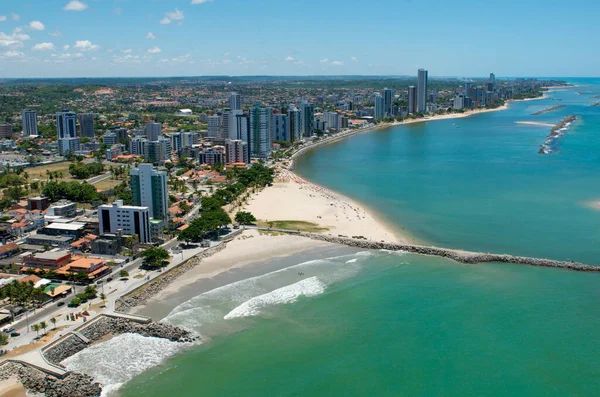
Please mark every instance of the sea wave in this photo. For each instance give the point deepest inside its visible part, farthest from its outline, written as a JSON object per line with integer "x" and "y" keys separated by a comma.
{"x": 290, "y": 293}
{"x": 120, "y": 359}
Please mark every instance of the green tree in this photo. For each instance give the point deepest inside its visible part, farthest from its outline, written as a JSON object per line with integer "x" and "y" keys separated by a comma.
{"x": 154, "y": 257}
{"x": 43, "y": 326}
{"x": 53, "y": 321}
{"x": 36, "y": 328}
{"x": 123, "y": 273}
{"x": 245, "y": 218}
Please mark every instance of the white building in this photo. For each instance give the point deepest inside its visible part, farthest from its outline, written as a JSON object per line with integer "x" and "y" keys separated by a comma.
{"x": 332, "y": 119}
{"x": 126, "y": 219}
{"x": 235, "y": 101}
{"x": 30, "y": 123}
{"x": 149, "y": 189}
{"x": 459, "y": 102}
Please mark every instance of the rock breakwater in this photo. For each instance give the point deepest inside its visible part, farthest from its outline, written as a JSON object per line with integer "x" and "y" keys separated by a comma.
{"x": 555, "y": 133}
{"x": 548, "y": 110}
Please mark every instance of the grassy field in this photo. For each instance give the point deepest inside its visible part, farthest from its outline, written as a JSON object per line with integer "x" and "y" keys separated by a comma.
{"x": 107, "y": 183}
{"x": 302, "y": 226}
{"x": 39, "y": 172}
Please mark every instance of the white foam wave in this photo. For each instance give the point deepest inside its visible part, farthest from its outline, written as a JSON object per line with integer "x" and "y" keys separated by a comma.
{"x": 118, "y": 360}
{"x": 288, "y": 294}
{"x": 352, "y": 260}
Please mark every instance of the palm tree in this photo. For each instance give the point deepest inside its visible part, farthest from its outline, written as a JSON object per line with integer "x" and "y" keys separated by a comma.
{"x": 103, "y": 297}
{"x": 43, "y": 326}
{"x": 36, "y": 328}
{"x": 53, "y": 321}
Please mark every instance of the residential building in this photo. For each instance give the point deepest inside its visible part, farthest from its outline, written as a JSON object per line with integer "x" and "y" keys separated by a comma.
{"x": 261, "y": 119}
{"x": 157, "y": 151}
{"x": 126, "y": 219}
{"x": 212, "y": 156}
{"x": 307, "y": 119}
{"x": 279, "y": 128}
{"x": 412, "y": 99}
{"x": 153, "y": 131}
{"x": 235, "y": 101}
{"x": 137, "y": 146}
{"x": 107, "y": 244}
{"x": 64, "y": 208}
{"x": 66, "y": 126}
{"x": 110, "y": 138}
{"x": 379, "y": 107}
{"x": 293, "y": 128}
{"x": 113, "y": 152}
{"x": 388, "y": 98}
{"x": 422, "y": 91}
{"x": 492, "y": 79}
{"x": 236, "y": 151}
{"x": 68, "y": 145}
{"x": 86, "y": 125}
{"x": 214, "y": 126}
{"x": 459, "y": 102}
{"x": 6, "y": 130}
{"x": 149, "y": 189}
{"x": 30, "y": 123}
{"x": 332, "y": 119}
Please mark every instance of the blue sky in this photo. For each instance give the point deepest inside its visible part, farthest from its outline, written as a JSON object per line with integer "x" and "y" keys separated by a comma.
{"x": 78, "y": 38}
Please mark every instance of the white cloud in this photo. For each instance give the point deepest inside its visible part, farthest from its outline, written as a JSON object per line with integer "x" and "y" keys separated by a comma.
{"x": 14, "y": 40}
{"x": 66, "y": 47}
{"x": 179, "y": 59}
{"x": 354, "y": 59}
{"x": 290, "y": 59}
{"x": 324, "y": 60}
{"x": 200, "y": 1}
{"x": 13, "y": 54}
{"x": 86, "y": 45}
{"x": 36, "y": 25}
{"x": 172, "y": 16}
{"x": 44, "y": 47}
{"x": 56, "y": 33}
{"x": 154, "y": 50}
{"x": 150, "y": 36}
{"x": 3, "y": 18}
{"x": 75, "y": 5}
{"x": 337, "y": 63}
{"x": 126, "y": 59}
{"x": 127, "y": 51}
{"x": 15, "y": 17}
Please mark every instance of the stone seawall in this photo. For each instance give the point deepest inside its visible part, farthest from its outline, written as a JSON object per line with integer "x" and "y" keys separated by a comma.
{"x": 457, "y": 255}
{"x": 141, "y": 295}
{"x": 74, "y": 384}
{"x": 109, "y": 325}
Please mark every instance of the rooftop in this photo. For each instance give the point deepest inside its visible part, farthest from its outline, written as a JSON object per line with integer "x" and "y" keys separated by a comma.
{"x": 74, "y": 226}
{"x": 52, "y": 255}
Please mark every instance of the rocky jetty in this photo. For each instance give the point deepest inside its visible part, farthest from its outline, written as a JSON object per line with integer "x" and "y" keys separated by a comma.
{"x": 456, "y": 255}
{"x": 555, "y": 133}
{"x": 141, "y": 295}
{"x": 74, "y": 384}
{"x": 595, "y": 104}
{"x": 111, "y": 325}
{"x": 548, "y": 110}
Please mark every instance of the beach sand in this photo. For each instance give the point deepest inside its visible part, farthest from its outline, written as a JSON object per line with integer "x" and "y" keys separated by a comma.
{"x": 12, "y": 388}
{"x": 291, "y": 198}
{"x": 249, "y": 247}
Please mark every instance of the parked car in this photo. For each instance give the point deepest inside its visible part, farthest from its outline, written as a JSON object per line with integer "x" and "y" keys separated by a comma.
{"x": 109, "y": 279}
{"x": 60, "y": 304}
{"x": 14, "y": 334}
{"x": 8, "y": 330}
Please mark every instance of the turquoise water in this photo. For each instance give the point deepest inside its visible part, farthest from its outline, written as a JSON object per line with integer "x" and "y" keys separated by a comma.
{"x": 384, "y": 324}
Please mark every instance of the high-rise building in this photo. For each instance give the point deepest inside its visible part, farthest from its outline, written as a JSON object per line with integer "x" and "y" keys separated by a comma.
{"x": 261, "y": 119}
{"x": 293, "y": 124}
{"x": 86, "y": 124}
{"x": 6, "y": 130}
{"x": 468, "y": 87}
{"x": 379, "y": 104}
{"x": 137, "y": 146}
{"x": 214, "y": 126}
{"x": 66, "y": 124}
{"x": 235, "y": 101}
{"x": 157, "y": 151}
{"x": 236, "y": 151}
{"x": 422, "y": 91}
{"x": 459, "y": 102}
{"x": 149, "y": 189}
{"x": 388, "y": 96}
{"x": 30, "y": 123}
{"x": 307, "y": 119}
{"x": 492, "y": 78}
{"x": 126, "y": 219}
{"x": 279, "y": 128}
{"x": 153, "y": 131}
{"x": 332, "y": 119}
{"x": 412, "y": 99}
{"x": 232, "y": 127}
{"x": 110, "y": 138}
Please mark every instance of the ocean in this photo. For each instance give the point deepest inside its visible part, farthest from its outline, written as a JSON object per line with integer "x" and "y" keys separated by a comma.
{"x": 344, "y": 322}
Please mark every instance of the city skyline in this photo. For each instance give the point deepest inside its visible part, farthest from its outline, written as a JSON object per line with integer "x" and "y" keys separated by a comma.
{"x": 86, "y": 38}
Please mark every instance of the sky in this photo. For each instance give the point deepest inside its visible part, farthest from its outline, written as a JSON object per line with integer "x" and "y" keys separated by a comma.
{"x": 467, "y": 38}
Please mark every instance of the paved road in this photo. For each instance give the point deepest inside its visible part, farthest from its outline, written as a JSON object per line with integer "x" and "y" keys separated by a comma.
{"x": 98, "y": 178}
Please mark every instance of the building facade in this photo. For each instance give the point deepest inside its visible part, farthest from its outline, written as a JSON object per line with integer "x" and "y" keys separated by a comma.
{"x": 422, "y": 91}
{"x": 261, "y": 119}
{"x": 379, "y": 107}
{"x": 153, "y": 131}
{"x": 86, "y": 125}
{"x": 126, "y": 219}
{"x": 149, "y": 189}
{"x": 412, "y": 99}
{"x": 30, "y": 123}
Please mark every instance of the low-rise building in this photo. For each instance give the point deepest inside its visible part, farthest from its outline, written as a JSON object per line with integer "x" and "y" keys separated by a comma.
{"x": 93, "y": 267}
{"x": 55, "y": 241}
{"x": 65, "y": 208}
{"x": 47, "y": 260}
{"x": 38, "y": 203}
{"x": 125, "y": 219}
{"x": 107, "y": 244}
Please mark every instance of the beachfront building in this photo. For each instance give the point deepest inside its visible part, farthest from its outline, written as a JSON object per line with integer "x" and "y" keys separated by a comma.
{"x": 261, "y": 119}
{"x": 388, "y": 97}
{"x": 125, "y": 219}
{"x": 293, "y": 124}
{"x": 332, "y": 120}
{"x": 86, "y": 125}
{"x": 279, "y": 128}
{"x": 307, "y": 119}
{"x": 30, "y": 123}
{"x": 379, "y": 107}
{"x": 235, "y": 101}
{"x": 459, "y": 102}
{"x": 149, "y": 189}
{"x": 422, "y": 91}
{"x": 236, "y": 151}
{"x": 412, "y": 99}
{"x": 153, "y": 131}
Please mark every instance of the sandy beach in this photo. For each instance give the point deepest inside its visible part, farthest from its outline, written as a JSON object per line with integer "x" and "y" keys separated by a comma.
{"x": 291, "y": 198}
{"x": 12, "y": 388}
{"x": 249, "y": 247}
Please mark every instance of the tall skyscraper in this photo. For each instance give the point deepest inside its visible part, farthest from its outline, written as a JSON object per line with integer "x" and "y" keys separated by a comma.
{"x": 261, "y": 119}
{"x": 153, "y": 131}
{"x": 235, "y": 101}
{"x": 279, "y": 128}
{"x": 226, "y": 119}
{"x": 137, "y": 146}
{"x": 492, "y": 78}
{"x": 66, "y": 126}
{"x": 293, "y": 124}
{"x": 86, "y": 124}
{"x": 149, "y": 189}
{"x": 412, "y": 99}
{"x": 422, "y": 91}
{"x": 242, "y": 132}
{"x": 307, "y": 117}
{"x": 379, "y": 105}
{"x": 30, "y": 123}
{"x": 388, "y": 96}
{"x": 468, "y": 86}
{"x": 214, "y": 126}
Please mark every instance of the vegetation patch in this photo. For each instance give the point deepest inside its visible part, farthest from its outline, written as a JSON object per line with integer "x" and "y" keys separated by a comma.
{"x": 302, "y": 226}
